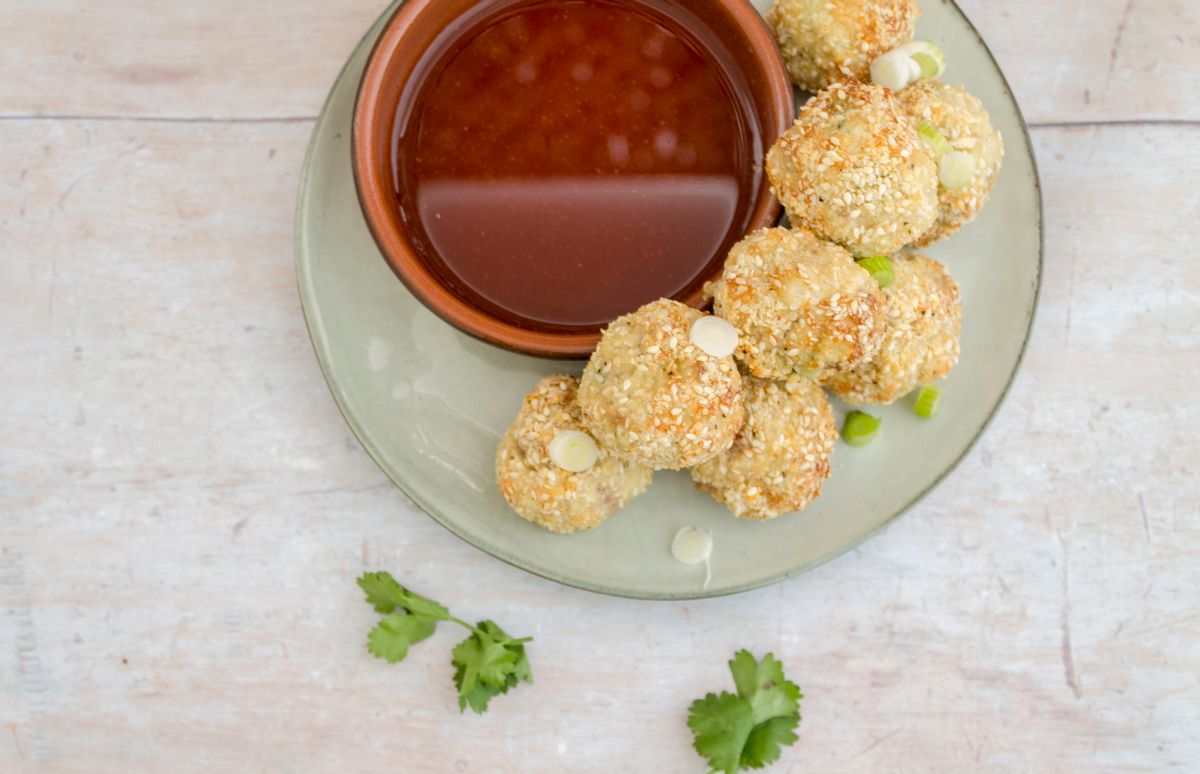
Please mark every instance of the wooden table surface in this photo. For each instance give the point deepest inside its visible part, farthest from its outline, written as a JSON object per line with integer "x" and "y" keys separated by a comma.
{"x": 183, "y": 510}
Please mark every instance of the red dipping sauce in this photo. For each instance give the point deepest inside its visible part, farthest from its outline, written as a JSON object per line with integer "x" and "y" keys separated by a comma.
{"x": 561, "y": 163}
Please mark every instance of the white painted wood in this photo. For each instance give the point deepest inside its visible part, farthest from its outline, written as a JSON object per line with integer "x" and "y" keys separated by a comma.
{"x": 182, "y": 510}
{"x": 1069, "y": 60}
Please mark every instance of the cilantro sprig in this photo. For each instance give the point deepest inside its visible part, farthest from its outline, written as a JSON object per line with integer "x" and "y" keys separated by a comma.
{"x": 749, "y": 729}
{"x": 486, "y": 664}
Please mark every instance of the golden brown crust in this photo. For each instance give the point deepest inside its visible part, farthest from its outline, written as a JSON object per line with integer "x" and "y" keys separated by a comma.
{"x": 853, "y": 170}
{"x": 920, "y": 343}
{"x": 823, "y": 42}
{"x": 542, "y": 492}
{"x": 649, "y": 395}
{"x": 965, "y": 124}
{"x": 800, "y": 304}
{"x": 780, "y": 458}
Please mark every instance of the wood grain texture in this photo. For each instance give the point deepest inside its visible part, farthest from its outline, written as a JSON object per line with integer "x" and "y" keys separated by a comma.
{"x": 182, "y": 509}
{"x": 1069, "y": 60}
{"x": 1080, "y": 61}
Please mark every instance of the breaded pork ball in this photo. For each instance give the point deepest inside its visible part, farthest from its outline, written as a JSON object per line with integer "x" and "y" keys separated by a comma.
{"x": 543, "y": 492}
{"x": 920, "y": 342}
{"x": 964, "y": 123}
{"x": 853, "y": 170}
{"x": 781, "y": 458}
{"x": 800, "y": 305}
{"x": 650, "y": 395}
{"x": 826, "y": 41}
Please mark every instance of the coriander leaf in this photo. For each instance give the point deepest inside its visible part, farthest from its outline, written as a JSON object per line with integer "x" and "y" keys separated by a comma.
{"x": 751, "y": 675}
{"x": 496, "y": 664}
{"x": 750, "y": 729}
{"x": 762, "y": 683}
{"x": 477, "y": 698}
{"x": 775, "y": 702}
{"x": 419, "y": 605}
{"x": 466, "y": 657}
{"x": 488, "y": 663}
{"x": 383, "y": 592}
{"x": 391, "y": 639}
{"x": 721, "y": 725}
{"x": 521, "y": 669}
{"x": 386, "y": 595}
{"x": 767, "y": 740}
{"x": 744, "y": 668}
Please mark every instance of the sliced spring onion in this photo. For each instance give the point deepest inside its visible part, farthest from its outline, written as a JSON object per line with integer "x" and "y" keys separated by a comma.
{"x": 880, "y": 268}
{"x": 692, "y": 545}
{"x": 929, "y": 58}
{"x": 714, "y": 336}
{"x": 928, "y": 65}
{"x": 907, "y": 64}
{"x": 956, "y": 169}
{"x": 574, "y": 451}
{"x": 914, "y": 69}
{"x": 891, "y": 71}
{"x": 860, "y": 429}
{"x": 927, "y": 402}
{"x": 937, "y": 141}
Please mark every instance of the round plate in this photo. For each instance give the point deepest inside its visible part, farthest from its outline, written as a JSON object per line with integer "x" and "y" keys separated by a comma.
{"x": 429, "y": 403}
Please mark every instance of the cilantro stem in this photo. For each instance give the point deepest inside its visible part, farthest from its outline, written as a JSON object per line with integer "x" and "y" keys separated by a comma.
{"x": 484, "y": 635}
{"x": 486, "y": 664}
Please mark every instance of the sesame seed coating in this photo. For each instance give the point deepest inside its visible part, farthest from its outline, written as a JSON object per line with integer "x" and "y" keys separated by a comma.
{"x": 780, "y": 458}
{"x": 853, "y": 170}
{"x": 920, "y": 343}
{"x": 542, "y": 492}
{"x": 825, "y": 41}
{"x": 650, "y": 395}
{"x": 800, "y": 304}
{"x": 964, "y": 123}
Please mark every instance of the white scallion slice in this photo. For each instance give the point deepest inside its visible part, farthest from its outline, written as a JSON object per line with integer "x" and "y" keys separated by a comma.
{"x": 956, "y": 169}
{"x": 714, "y": 336}
{"x": 692, "y": 545}
{"x": 891, "y": 71}
{"x": 574, "y": 451}
{"x": 914, "y": 70}
{"x": 929, "y": 58}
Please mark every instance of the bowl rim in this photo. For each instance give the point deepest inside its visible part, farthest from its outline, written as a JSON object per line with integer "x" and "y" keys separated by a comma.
{"x": 374, "y": 192}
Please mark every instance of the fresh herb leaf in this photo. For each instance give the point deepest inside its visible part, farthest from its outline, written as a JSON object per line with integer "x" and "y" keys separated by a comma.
{"x": 750, "y": 729}
{"x": 385, "y": 594}
{"x": 486, "y": 664}
{"x": 391, "y": 639}
{"x": 767, "y": 741}
{"x": 721, "y": 725}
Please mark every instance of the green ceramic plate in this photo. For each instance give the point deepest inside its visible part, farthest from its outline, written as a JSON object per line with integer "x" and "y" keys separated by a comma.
{"x": 429, "y": 403}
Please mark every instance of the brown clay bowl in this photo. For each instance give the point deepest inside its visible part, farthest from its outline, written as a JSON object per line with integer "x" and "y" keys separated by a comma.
{"x": 408, "y": 35}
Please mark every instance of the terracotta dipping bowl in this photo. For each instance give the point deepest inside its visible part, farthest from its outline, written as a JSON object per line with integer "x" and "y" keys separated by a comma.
{"x": 419, "y": 26}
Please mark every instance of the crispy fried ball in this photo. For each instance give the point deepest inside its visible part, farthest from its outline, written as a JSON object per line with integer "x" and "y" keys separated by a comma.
{"x": 781, "y": 457}
{"x": 542, "y": 492}
{"x": 920, "y": 342}
{"x": 853, "y": 170}
{"x": 799, "y": 304}
{"x": 965, "y": 124}
{"x": 824, "y": 42}
{"x": 650, "y": 395}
